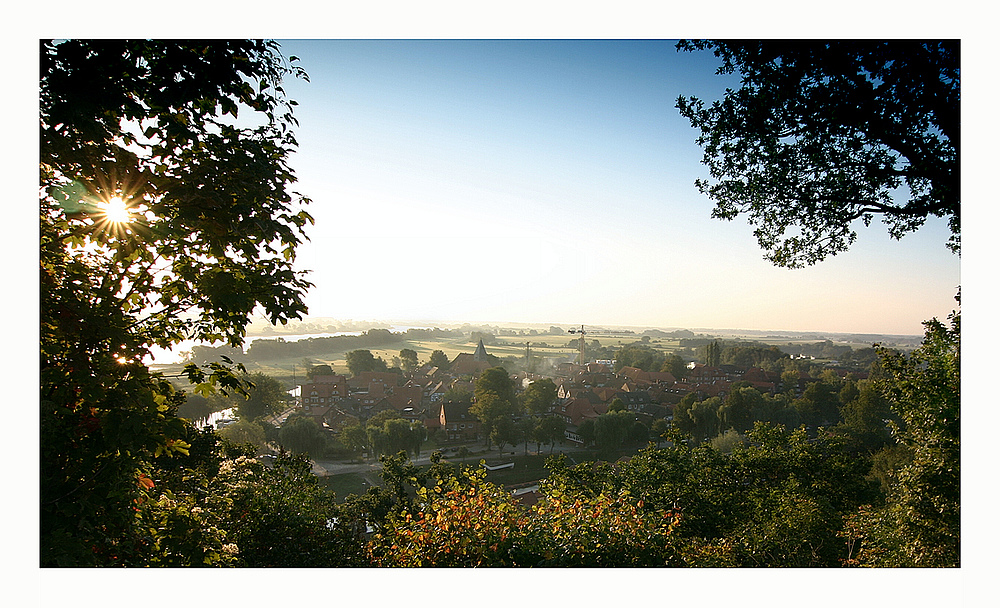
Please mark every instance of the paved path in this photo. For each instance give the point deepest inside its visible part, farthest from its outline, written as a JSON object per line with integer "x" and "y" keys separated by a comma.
{"x": 325, "y": 468}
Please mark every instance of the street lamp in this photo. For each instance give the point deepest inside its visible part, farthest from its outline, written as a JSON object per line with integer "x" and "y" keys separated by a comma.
{"x": 583, "y": 343}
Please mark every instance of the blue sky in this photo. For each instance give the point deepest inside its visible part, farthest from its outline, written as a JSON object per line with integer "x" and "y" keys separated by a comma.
{"x": 551, "y": 181}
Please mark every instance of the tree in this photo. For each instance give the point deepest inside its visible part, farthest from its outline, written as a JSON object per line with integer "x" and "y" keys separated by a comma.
{"x": 318, "y": 370}
{"x": 617, "y": 405}
{"x": 354, "y": 437}
{"x": 745, "y": 356}
{"x": 865, "y": 416}
{"x": 587, "y": 431}
{"x": 505, "y": 431}
{"x": 819, "y": 404}
{"x": 705, "y": 415}
{"x": 674, "y": 365}
{"x": 611, "y": 429}
{"x": 713, "y": 354}
{"x": 364, "y": 361}
{"x": 496, "y": 380}
{"x": 525, "y": 428}
{"x": 439, "y": 359}
{"x": 403, "y": 435}
{"x": 301, "y": 435}
{"x": 266, "y": 397}
{"x": 639, "y": 355}
{"x": 160, "y": 221}
{"x": 245, "y": 431}
{"x": 737, "y": 410}
{"x": 920, "y": 526}
{"x": 489, "y": 408}
{"x": 824, "y": 133}
{"x": 283, "y": 517}
{"x": 550, "y": 430}
{"x": 682, "y": 414}
{"x": 659, "y": 429}
{"x": 195, "y": 407}
{"x": 540, "y": 395}
{"x": 727, "y": 441}
{"x": 638, "y": 434}
{"x": 468, "y": 522}
{"x": 408, "y": 359}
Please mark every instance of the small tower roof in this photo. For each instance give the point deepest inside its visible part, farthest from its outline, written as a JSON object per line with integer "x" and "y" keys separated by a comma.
{"x": 480, "y": 354}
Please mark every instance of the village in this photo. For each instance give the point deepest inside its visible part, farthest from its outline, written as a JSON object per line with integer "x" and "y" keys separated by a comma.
{"x": 585, "y": 392}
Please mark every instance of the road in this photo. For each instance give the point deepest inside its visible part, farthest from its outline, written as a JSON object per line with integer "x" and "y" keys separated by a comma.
{"x": 325, "y": 468}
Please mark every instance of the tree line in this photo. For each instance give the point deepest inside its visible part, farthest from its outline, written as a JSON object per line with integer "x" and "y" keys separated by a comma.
{"x": 279, "y": 348}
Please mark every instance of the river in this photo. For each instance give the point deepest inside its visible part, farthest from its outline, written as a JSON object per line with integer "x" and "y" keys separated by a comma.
{"x": 214, "y": 419}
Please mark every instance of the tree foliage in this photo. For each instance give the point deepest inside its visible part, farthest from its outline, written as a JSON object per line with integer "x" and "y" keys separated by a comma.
{"x": 821, "y": 134}
{"x": 245, "y": 432}
{"x": 439, "y": 359}
{"x": 265, "y": 396}
{"x": 363, "y": 360}
{"x": 496, "y": 380}
{"x": 282, "y": 517}
{"x": 674, "y": 365}
{"x": 466, "y": 521}
{"x": 161, "y": 220}
{"x": 612, "y": 429}
{"x": 920, "y": 524}
{"x": 301, "y": 435}
{"x": 408, "y": 359}
{"x": 639, "y": 355}
{"x": 490, "y": 409}
{"x": 540, "y": 395}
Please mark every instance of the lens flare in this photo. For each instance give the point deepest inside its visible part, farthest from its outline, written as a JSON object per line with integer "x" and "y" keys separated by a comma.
{"x": 116, "y": 211}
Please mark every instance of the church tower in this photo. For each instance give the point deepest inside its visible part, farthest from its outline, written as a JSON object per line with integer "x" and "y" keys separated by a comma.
{"x": 480, "y": 354}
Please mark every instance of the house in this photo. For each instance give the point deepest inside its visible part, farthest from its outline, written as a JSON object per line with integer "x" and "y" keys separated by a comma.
{"x": 575, "y": 411}
{"x": 635, "y": 400}
{"x": 605, "y": 393}
{"x": 458, "y": 422}
{"x": 474, "y": 364}
{"x": 317, "y": 413}
{"x": 432, "y": 419}
{"x": 435, "y": 391}
{"x": 337, "y": 419}
{"x": 324, "y": 390}
{"x": 598, "y": 368}
{"x": 375, "y": 383}
{"x": 706, "y": 374}
{"x": 410, "y": 394}
{"x": 765, "y": 382}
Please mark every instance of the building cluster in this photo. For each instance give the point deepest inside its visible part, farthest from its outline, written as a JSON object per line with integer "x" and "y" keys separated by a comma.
{"x": 584, "y": 392}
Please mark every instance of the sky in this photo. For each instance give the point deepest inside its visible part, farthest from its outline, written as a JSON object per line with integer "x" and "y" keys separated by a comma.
{"x": 552, "y": 181}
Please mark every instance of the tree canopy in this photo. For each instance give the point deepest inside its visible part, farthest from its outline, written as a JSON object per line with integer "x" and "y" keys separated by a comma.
{"x": 821, "y": 134}
{"x": 162, "y": 219}
{"x": 439, "y": 359}
{"x": 364, "y": 361}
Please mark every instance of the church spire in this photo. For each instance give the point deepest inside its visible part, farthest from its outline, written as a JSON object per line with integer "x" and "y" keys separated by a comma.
{"x": 480, "y": 354}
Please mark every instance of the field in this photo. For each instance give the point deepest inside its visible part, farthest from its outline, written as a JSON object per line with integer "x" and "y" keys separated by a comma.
{"x": 556, "y": 348}
{"x": 546, "y": 349}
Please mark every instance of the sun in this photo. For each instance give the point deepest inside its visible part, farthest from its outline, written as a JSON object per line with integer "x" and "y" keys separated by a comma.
{"x": 116, "y": 211}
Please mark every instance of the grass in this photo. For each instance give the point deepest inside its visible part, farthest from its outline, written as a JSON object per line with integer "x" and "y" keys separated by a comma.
{"x": 345, "y": 484}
